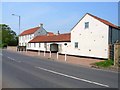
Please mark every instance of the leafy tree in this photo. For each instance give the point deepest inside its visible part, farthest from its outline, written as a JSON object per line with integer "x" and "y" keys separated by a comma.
{"x": 7, "y": 36}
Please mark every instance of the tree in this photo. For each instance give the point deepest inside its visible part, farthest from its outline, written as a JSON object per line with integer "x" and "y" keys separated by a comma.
{"x": 7, "y": 36}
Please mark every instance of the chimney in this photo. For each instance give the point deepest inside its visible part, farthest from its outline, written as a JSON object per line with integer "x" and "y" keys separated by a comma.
{"x": 41, "y": 25}
{"x": 58, "y": 33}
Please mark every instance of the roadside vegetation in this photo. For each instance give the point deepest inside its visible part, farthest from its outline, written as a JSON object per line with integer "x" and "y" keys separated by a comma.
{"x": 104, "y": 64}
{"x": 7, "y": 36}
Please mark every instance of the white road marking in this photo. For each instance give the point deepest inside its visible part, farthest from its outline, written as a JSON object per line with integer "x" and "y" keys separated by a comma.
{"x": 13, "y": 59}
{"x": 73, "y": 77}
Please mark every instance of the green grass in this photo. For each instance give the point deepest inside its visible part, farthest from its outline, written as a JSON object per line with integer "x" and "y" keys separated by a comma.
{"x": 105, "y": 64}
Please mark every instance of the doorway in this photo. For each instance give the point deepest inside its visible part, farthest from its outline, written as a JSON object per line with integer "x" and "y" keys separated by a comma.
{"x": 54, "y": 47}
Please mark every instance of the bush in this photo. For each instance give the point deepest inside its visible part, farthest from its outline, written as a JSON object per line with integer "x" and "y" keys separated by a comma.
{"x": 106, "y": 63}
{"x": 3, "y": 45}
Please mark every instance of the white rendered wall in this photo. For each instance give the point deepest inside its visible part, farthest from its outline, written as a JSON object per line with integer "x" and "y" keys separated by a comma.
{"x": 62, "y": 48}
{"x": 40, "y": 31}
{"x": 95, "y": 38}
{"x": 36, "y": 47}
{"x": 23, "y": 40}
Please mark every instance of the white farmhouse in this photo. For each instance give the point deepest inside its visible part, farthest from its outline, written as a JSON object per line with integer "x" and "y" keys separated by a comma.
{"x": 29, "y": 34}
{"x": 90, "y": 37}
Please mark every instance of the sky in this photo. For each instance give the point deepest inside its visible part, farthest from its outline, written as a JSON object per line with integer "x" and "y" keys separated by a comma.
{"x": 55, "y": 16}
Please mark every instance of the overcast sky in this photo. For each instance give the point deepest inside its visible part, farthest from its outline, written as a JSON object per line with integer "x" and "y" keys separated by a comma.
{"x": 55, "y": 15}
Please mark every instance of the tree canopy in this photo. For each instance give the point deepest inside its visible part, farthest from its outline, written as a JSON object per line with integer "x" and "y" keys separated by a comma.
{"x": 7, "y": 36}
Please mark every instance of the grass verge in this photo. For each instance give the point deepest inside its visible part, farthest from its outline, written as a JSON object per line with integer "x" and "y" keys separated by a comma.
{"x": 104, "y": 64}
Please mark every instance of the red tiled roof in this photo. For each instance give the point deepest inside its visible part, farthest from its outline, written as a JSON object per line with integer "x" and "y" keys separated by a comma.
{"x": 53, "y": 38}
{"x": 50, "y": 33}
{"x": 104, "y": 21}
{"x": 29, "y": 31}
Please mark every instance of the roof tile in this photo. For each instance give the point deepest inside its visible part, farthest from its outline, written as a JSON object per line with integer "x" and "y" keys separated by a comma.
{"x": 29, "y": 31}
{"x": 104, "y": 21}
{"x": 54, "y": 38}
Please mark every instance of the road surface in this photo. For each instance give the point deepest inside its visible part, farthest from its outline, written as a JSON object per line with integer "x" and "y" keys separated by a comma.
{"x": 20, "y": 71}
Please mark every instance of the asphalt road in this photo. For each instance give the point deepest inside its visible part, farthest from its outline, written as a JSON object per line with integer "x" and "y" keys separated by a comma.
{"x": 20, "y": 71}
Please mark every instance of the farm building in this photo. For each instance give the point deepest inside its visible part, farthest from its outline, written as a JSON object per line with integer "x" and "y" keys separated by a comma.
{"x": 90, "y": 37}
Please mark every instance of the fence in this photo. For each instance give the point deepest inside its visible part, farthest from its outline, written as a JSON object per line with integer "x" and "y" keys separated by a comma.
{"x": 114, "y": 53}
{"x": 111, "y": 51}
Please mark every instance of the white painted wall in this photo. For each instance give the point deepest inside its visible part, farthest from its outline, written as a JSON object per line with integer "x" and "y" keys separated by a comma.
{"x": 92, "y": 42}
{"x": 40, "y": 31}
{"x": 36, "y": 47}
{"x": 23, "y": 40}
{"x": 95, "y": 38}
{"x": 62, "y": 48}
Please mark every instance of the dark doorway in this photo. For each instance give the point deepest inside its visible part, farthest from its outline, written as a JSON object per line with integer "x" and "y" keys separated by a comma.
{"x": 54, "y": 47}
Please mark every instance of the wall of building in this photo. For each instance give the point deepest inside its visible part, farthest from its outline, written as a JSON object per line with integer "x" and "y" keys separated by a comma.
{"x": 93, "y": 41}
{"x": 23, "y": 40}
{"x": 40, "y": 31}
{"x": 61, "y": 46}
{"x": 36, "y": 46}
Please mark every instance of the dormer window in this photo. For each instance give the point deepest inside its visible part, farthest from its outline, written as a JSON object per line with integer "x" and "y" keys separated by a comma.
{"x": 86, "y": 25}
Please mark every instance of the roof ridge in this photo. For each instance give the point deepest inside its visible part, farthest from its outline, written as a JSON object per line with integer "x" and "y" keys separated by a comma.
{"x": 29, "y": 31}
{"x": 103, "y": 20}
{"x": 53, "y": 38}
{"x": 31, "y": 28}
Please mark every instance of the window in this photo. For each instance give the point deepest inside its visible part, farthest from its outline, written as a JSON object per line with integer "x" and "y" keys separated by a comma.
{"x": 39, "y": 44}
{"x": 86, "y": 25}
{"x": 30, "y": 36}
{"x": 65, "y": 44}
{"x": 76, "y": 44}
{"x": 45, "y": 45}
{"x": 34, "y": 44}
{"x": 29, "y": 44}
